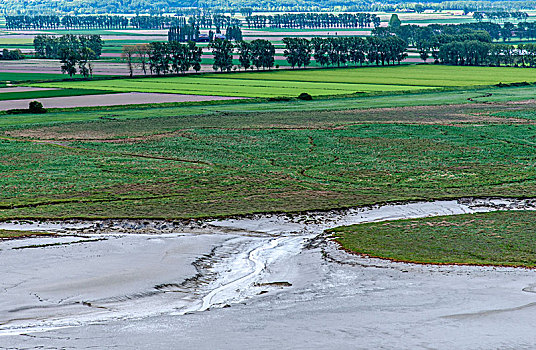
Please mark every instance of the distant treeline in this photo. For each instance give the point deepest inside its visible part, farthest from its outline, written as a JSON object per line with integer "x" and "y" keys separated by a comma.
{"x": 155, "y": 22}
{"x": 500, "y": 15}
{"x": 67, "y": 22}
{"x": 435, "y": 34}
{"x": 313, "y": 20}
{"x": 191, "y": 6}
{"x": 288, "y": 20}
{"x": 478, "y": 53}
{"x": 116, "y": 22}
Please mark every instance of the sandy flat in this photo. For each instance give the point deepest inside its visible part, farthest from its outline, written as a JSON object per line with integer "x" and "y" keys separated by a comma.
{"x": 131, "y": 98}
{"x": 283, "y": 287}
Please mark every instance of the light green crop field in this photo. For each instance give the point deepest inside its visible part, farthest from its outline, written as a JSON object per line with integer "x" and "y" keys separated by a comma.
{"x": 6, "y": 40}
{"x": 314, "y": 82}
{"x": 403, "y": 75}
{"x": 219, "y": 85}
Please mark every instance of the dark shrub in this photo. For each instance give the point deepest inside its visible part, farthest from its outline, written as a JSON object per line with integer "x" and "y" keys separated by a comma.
{"x": 17, "y": 111}
{"x": 281, "y": 98}
{"x": 36, "y": 107}
{"x": 305, "y": 96}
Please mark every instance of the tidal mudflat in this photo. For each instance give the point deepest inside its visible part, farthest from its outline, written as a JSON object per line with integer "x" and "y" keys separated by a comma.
{"x": 267, "y": 281}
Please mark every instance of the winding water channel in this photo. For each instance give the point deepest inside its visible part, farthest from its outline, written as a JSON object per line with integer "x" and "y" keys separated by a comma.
{"x": 266, "y": 281}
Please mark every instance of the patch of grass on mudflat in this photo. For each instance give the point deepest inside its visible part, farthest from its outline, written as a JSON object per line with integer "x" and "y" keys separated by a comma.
{"x": 497, "y": 238}
{"x": 7, "y": 234}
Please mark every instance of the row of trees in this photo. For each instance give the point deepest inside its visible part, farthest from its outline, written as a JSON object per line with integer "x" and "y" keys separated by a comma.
{"x": 177, "y": 58}
{"x": 140, "y": 52}
{"x": 477, "y": 53}
{"x": 67, "y": 22}
{"x": 468, "y": 44}
{"x": 500, "y": 15}
{"x": 10, "y": 55}
{"x": 299, "y": 51}
{"x": 355, "y": 50}
{"x": 75, "y": 53}
{"x": 47, "y": 46}
{"x": 117, "y": 22}
{"x": 436, "y": 35}
{"x": 313, "y": 20}
{"x": 173, "y": 57}
{"x": 156, "y": 22}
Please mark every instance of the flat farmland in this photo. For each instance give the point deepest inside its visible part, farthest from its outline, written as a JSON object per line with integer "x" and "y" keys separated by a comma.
{"x": 238, "y": 158}
{"x": 219, "y": 85}
{"x": 326, "y": 82}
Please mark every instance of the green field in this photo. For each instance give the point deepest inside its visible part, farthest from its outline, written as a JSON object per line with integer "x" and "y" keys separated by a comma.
{"x": 277, "y": 109}
{"x": 24, "y": 77}
{"x": 316, "y": 83}
{"x": 236, "y": 158}
{"x": 48, "y": 93}
{"x": 497, "y": 238}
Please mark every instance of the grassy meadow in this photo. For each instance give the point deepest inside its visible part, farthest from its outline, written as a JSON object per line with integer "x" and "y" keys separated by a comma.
{"x": 216, "y": 159}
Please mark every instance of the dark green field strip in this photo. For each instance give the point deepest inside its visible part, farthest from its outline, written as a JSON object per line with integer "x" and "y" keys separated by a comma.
{"x": 24, "y": 77}
{"x": 498, "y": 238}
{"x": 49, "y": 93}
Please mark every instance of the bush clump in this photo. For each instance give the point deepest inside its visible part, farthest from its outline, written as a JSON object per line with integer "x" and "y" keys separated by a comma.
{"x": 305, "y": 97}
{"x": 36, "y": 107}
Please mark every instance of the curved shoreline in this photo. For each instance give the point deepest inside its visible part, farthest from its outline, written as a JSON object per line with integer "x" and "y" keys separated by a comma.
{"x": 164, "y": 225}
{"x": 402, "y": 261}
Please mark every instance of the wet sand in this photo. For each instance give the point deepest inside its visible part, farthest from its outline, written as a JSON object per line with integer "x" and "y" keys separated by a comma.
{"x": 263, "y": 282}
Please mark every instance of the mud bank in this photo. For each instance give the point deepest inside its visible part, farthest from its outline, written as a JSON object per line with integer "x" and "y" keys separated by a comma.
{"x": 266, "y": 281}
